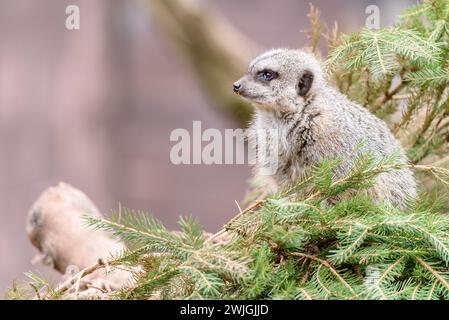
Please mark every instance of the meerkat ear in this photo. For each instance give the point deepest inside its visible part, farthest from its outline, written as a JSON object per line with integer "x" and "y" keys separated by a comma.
{"x": 305, "y": 83}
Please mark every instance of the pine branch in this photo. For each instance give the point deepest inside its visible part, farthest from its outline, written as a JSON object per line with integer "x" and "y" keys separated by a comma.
{"x": 436, "y": 274}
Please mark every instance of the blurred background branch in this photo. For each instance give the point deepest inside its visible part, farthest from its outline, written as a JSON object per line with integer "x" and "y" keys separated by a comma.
{"x": 218, "y": 52}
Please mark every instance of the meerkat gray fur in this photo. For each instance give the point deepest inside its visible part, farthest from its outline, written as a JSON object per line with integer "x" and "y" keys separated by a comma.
{"x": 307, "y": 121}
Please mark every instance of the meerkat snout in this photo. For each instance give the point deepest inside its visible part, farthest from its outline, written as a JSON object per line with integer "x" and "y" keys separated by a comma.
{"x": 236, "y": 87}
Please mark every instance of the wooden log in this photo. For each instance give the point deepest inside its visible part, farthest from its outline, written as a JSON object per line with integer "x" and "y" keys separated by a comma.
{"x": 56, "y": 228}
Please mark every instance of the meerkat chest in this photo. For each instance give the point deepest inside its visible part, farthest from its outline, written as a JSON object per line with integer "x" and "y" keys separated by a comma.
{"x": 277, "y": 149}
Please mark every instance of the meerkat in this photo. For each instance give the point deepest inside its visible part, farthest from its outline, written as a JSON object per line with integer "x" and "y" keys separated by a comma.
{"x": 305, "y": 120}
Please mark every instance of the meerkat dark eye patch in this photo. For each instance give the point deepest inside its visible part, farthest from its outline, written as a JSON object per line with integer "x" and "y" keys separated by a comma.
{"x": 305, "y": 83}
{"x": 266, "y": 75}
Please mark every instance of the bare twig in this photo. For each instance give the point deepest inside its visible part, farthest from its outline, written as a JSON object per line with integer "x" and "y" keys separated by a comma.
{"x": 252, "y": 207}
{"x": 76, "y": 278}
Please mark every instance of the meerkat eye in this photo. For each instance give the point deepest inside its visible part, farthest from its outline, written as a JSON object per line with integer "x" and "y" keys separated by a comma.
{"x": 267, "y": 75}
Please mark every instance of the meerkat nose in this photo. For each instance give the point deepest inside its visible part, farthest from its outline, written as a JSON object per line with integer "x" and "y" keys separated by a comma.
{"x": 236, "y": 87}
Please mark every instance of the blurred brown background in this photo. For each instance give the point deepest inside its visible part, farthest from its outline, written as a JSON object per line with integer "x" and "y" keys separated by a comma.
{"x": 94, "y": 107}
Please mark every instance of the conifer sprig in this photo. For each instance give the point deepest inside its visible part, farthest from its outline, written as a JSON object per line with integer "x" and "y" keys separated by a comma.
{"x": 401, "y": 73}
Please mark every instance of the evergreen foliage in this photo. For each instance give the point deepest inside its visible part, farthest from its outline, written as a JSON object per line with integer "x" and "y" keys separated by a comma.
{"x": 294, "y": 247}
{"x": 401, "y": 73}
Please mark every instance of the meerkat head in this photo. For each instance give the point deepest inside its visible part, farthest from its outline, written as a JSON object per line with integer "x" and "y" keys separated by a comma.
{"x": 281, "y": 79}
